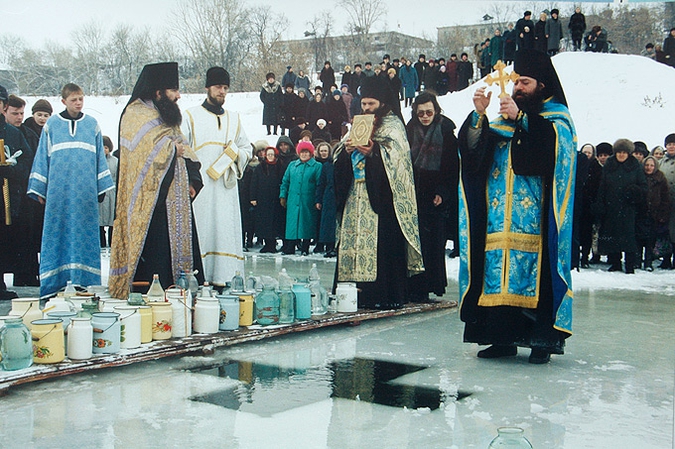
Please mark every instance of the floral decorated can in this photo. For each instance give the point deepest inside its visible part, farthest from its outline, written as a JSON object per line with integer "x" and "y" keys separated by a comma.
{"x": 162, "y": 320}
{"x": 48, "y": 343}
{"x": 16, "y": 345}
{"x": 245, "y": 309}
{"x": 347, "y": 297}
{"x": 146, "y": 323}
{"x": 106, "y": 332}
{"x": 130, "y": 326}
{"x": 26, "y": 308}
{"x": 229, "y": 312}
{"x": 80, "y": 337}
{"x": 207, "y": 315}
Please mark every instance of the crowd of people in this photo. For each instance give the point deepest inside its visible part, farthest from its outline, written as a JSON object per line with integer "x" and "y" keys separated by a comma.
{"x": 186, "y": 191}
{"x": 624, "y": 205}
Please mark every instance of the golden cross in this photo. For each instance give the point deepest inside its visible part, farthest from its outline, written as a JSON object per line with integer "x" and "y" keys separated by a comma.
{"x": 502, "y": 78}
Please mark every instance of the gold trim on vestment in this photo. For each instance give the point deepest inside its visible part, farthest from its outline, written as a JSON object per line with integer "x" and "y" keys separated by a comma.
{"x": 217, "y": 253}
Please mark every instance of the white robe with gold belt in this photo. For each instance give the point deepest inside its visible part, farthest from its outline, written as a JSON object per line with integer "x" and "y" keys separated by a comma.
{"x": 216, "y": 208}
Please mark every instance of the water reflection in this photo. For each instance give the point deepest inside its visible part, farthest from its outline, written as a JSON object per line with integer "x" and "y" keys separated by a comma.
{"x": 267, "y": 389}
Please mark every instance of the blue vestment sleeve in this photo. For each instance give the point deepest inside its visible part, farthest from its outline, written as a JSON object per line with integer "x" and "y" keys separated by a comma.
{"x": 39, "y": 176}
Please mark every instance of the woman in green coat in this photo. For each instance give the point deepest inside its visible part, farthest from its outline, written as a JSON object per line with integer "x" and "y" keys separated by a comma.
{"x": 297, "y": 195}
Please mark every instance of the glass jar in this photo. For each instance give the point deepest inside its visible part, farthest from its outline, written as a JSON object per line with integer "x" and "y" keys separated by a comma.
{"x": 286, "y": 306}
{"x": 16, "y": 346}
{"x": 88, "y": 308}
{"x": 510, "y": 438}
{"x": 267, "y": 306}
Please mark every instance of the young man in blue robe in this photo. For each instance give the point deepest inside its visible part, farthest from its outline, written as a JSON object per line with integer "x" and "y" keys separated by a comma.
{"x": 516, "y": 202}
{"x": 69, "y": 176}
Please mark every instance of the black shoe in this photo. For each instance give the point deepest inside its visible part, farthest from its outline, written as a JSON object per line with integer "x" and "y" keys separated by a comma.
{"x": 319, "y": 248}
{"x": 630, "y": 270}
{"x": 585, "y": 264}
{"x": 331, "y": 253}
{"x": 497, "y": 351}
{"x": 615, "y": 267}
{"x": 649, "y": 267}
{"x": 595, "y": 259}
{"x": 539, "y": 356}
{"x": 304, "y": 253}
{"x": 454, "y": 253}
{"x": 7, "y": 295}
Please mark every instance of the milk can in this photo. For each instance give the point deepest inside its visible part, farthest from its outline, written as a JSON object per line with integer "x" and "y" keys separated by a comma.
{"x": 26, "y": 308}
{"x": 229, "y": 312}
{"x": 130, "y": 326}
{"x": 146, "y": 323}
{"x": 16, "y": 346}
{"x": 181, "y": 309}
{"x": 65, "y": 317}
{"x": 347, "y": 297}
{"x": 245, "y": 308}
{"x": 207, "y": 315}
{"x": 58, "y": 304}
{"x": 48, "y": 343}
{"x": 108, "y": 305}
{"x": 162, "y": 320}
{"x": 303, "y": 302}
{"x": 106, "y": 332}
{"x": 80, "y": 337}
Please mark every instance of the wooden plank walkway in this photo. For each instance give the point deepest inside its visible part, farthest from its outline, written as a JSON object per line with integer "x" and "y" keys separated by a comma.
{"x": 204, "y": 343}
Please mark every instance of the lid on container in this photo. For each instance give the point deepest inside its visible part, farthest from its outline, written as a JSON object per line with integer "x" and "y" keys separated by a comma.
{"x": 232, "y": 297}
{"x": 159, "y": 303}
{"x": 46, "y": 321}
{"x": 61, "y": 313}
{"x": 80, "y": 318}
{"x": 105, "y": 315}
{"x": 207, "y": 299}
{"x": 25, "y": 299}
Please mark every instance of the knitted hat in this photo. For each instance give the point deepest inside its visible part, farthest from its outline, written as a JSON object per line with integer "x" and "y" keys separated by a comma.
{"x": 42, "y": 106}
{"x": 217, "y": 75}
{"x": 337, "y": 92}
{"x": 306, "y": 133}
{"x": 554, "y": 11}
{"x": 623, "y": 146}
{"x": 670, "y": 138}
{"x": 321, "y": 122}
{"x": 305, "y": 146}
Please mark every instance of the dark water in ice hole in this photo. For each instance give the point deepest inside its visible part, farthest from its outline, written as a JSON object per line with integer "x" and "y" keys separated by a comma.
{"x": 266, "y": 389}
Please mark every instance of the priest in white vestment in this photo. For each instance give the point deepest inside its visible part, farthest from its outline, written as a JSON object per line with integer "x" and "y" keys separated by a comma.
{"x": 218, "y": 139}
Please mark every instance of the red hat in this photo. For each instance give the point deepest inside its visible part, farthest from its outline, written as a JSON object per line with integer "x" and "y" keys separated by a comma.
{"x": 305, "y": 146}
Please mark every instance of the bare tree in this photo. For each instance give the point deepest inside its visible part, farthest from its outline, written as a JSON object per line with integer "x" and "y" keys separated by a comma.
{"x": 363, "y": 15}
{"x": 320, "y": 28}
{"x": 213, "y": 32}
{"x": 266, "y": 30}
{"x": 89, "y": 43}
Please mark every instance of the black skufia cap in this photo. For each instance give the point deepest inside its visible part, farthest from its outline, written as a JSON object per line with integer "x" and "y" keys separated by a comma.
{"x": 376, "y": 87}
{"x": 217, "y": 75}
{"x": 538, "y": 65}
{"x": 153, "y": 77}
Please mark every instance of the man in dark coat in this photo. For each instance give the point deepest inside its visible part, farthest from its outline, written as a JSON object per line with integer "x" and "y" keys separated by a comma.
{"x": 289, "y": 107}
{"x": 464, "y": 72}
{"x": 525, "y": 31}
{"x": 32, "y": 213}
{"x": 510, "y": 37}
{"x": 622, "y": 188}
{"x": 327, "y": 76}
{"x": 15, "y": 242}
{"x": 577, "y": 27}
{"x": 515, "y": 221}
{"x": 421, "y": 66}
{"x": 669, "y": 48}
{"x": 355, "y": 80}
{"x": 271, "y": 97}
{"x": 289, "y": 77}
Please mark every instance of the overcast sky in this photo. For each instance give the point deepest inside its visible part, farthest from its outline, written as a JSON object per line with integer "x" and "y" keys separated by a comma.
{"x": 41, "y": 20}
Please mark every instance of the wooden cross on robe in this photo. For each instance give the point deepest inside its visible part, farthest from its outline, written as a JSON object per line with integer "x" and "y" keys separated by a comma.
{"x": 502, "y": 78}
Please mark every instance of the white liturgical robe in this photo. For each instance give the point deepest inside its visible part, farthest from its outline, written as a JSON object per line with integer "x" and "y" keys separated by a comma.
{"x": 216, "y": 208}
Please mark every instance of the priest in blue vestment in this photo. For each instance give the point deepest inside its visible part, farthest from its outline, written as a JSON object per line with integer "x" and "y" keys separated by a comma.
{"x": 516, "y": 203}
